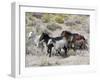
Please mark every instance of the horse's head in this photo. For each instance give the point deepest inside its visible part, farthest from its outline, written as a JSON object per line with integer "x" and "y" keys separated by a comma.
{"x": 66, "y": 34}
{"x": 63, "y": 33}
{"x": 44, "y": 37}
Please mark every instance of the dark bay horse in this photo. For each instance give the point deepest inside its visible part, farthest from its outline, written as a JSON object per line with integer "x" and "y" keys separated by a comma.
{"x": 75, "y": 40}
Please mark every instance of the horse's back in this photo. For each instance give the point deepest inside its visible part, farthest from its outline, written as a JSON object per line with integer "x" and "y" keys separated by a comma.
{"x": 57, "y": 38}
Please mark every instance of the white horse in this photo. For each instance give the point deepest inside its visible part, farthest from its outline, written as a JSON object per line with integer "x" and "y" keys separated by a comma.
{"x": 35, "y": 40}
{"x": 59, "y": 45}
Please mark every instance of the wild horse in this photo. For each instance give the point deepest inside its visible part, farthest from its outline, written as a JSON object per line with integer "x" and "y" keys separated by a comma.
{"x": 75, "y": 40}
{"x": 57, "y": 42}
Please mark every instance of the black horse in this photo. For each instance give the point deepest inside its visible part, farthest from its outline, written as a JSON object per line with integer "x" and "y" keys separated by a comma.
{"x": 46, "y": 38}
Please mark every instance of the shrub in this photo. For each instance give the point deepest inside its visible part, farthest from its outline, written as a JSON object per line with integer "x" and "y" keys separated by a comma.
{"x": 53, "y": 26}
{"x": 29, "y": 20}
{"x": 46, "y": 18}
{"x": 70, "y": 23}
{"x": 59, "y": 19}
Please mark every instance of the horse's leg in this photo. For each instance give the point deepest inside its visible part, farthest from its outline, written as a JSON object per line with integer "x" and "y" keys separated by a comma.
{"x": 58, "y": 51}
{"x": 50, "y": 49}
{"x": 74, "y": 47}
{"x": 65, "y": 49}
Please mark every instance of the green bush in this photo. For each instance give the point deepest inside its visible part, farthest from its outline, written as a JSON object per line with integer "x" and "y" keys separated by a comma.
{"x": 29, "y": 20}
{"x": 59, "y": 19}
{"x": 46, "y": 18}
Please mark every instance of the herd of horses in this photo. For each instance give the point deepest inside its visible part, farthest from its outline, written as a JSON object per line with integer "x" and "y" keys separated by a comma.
{"x": 66, "y": 41}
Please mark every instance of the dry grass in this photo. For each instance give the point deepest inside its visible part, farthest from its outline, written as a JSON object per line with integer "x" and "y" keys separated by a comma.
{"x": 49, "y": 23}
{"x": 43, "y": 60}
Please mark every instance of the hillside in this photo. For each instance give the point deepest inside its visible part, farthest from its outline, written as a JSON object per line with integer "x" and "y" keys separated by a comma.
{"x": 54, "y": 24}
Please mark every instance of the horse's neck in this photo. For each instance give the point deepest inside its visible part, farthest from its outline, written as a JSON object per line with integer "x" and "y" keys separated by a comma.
{"x": 64, "y": 38}
{"x": 46, "y": 40}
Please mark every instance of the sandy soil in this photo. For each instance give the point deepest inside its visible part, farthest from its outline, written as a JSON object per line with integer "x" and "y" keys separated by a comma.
{"x": 82, "y": 58}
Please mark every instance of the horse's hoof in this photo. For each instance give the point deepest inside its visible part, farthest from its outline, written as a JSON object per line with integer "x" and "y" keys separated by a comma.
{"x": 49, "y": 55}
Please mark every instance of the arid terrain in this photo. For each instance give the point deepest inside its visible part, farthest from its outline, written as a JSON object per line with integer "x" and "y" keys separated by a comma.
{"x": 54, "y": 24}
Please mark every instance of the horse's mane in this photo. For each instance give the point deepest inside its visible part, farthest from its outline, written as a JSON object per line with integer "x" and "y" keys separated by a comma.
{"x": 66, "y": 32}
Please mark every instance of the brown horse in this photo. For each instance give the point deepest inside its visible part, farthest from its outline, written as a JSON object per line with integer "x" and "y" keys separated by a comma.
{"x": 76, "y": 41}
